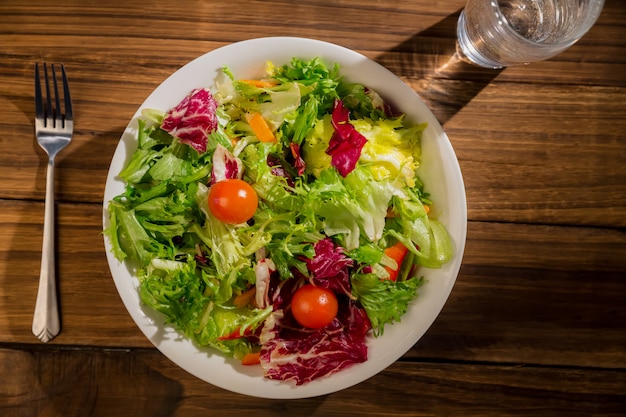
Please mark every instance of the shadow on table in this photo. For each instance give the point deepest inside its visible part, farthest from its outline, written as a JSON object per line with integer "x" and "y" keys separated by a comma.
{"x": 429, "y": 63}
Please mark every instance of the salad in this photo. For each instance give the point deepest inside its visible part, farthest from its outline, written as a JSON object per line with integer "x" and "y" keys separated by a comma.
{"x": 278, "y": 220}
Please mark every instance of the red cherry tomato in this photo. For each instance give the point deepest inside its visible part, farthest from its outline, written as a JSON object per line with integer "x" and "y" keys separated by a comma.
{"x": 314, "y": 307}
{"x": 232, "y": 201}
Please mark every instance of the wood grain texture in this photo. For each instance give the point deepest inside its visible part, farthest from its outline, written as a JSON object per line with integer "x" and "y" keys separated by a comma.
{"x": 536, "y": 323}
{"x": 67, "y": 383}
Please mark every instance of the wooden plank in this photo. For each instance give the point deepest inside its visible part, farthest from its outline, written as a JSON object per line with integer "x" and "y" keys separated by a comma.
{"x": 142, "y": 382}
{"x": 508, "y": 269}
{"x": 232, "y": 22}
{"x": 560, "y": 165}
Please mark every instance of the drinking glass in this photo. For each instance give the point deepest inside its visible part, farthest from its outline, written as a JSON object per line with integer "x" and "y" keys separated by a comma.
{"x": 502, "y": 33}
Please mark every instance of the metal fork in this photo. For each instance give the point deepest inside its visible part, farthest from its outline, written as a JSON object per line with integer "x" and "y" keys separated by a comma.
{"x": 53, "y": 127}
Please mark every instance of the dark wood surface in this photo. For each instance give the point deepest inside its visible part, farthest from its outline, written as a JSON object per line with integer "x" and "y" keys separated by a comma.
{"x": 536, "y": 324}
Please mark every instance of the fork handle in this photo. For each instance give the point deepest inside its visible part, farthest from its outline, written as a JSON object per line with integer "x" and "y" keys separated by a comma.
{"x": 46, "y": 317}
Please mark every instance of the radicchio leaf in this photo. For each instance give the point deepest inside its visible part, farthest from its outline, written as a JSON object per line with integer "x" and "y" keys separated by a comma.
{"x": 281, "y": 291}
{"x": 346, "y": 143}
{"x": 225, "y": 165}
{"x": 262, "y": 271}
{"x": 279, "y": 169}
{"x": 330, "y": 267}
{"x": 193, "y": 119}
{"x": 292, "y": 353}
{"x": 298, "y": 161}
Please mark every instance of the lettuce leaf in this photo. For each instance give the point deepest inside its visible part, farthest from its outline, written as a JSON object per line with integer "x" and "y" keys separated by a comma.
{"x": 385, "y": 301}
{"x": 352, "y": 207}
{"x": 188, "y": 298}
{"x": 425, "y": 237}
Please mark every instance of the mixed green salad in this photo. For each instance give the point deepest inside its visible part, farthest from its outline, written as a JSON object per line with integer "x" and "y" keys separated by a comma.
{"x": 278, "y": 220}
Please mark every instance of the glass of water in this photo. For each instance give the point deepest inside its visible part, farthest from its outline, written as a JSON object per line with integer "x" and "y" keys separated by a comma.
{"x": 502, "y": 33}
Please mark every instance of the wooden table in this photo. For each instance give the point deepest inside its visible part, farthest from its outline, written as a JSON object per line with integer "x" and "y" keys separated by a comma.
{"x": 536, "y": 324}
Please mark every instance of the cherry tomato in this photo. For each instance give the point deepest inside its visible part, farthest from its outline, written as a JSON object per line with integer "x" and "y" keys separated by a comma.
{"x": 232, "y": 201}
{"x": 314, "y": 307}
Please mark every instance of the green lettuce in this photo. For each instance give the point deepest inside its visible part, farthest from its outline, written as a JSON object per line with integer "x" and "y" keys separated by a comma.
{"x": 191, "y": 300}
{"x": 384, "y": 301}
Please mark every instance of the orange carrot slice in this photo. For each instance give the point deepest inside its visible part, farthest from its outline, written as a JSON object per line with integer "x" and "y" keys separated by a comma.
{"x": 396, "y": 252}
{"x": 244, "y": 298}
{"x": 253, "y": 358}
{"x": 260, "y": 127}
{"x": 261, "y": 83}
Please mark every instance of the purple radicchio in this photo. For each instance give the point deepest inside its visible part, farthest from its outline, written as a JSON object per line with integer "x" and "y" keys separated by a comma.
{"x": 330, "y": 267}
{"x": 279, "y": 169}
{"x": 298, "y": 161}
{"x": 225, "y": 165}
{"x": 292, "y": 353}
{"x": 193, "y": 119}
{"x": 346, "y": 143}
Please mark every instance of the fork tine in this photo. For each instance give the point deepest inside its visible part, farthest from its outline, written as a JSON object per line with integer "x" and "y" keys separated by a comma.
{"x": 38, "y": 98}
{"x": 57, "y": 115}
{"x": 48, "y": 109}
{"x": 66, "y": 94}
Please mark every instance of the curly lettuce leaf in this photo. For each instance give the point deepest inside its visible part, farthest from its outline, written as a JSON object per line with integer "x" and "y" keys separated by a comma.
{"x": 385, "y": 301}
{"x": 189, "y": 299}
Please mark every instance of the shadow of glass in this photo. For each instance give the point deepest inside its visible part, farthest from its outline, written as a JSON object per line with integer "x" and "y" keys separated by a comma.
{"x": 429, "y": 63}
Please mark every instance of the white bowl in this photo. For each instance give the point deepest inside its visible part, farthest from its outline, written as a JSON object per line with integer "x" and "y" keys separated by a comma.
{"x": 439, "y": 170}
